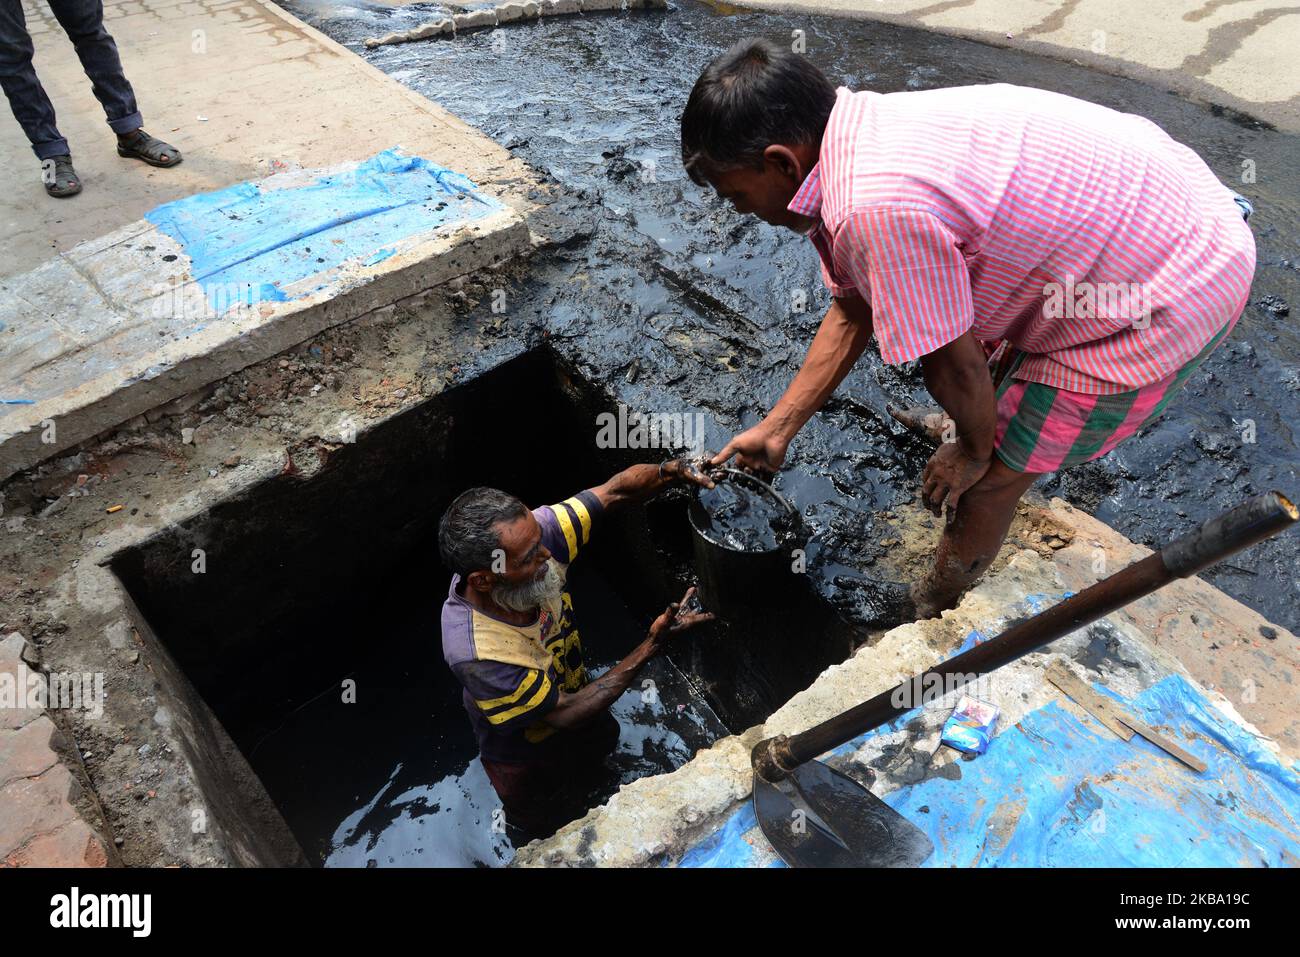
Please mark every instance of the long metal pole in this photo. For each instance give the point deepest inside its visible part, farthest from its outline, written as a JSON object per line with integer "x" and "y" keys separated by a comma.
{"x": 1247, "y": 524}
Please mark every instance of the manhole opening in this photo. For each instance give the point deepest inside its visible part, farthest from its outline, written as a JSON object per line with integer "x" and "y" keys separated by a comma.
{"x": 312, "y": 632}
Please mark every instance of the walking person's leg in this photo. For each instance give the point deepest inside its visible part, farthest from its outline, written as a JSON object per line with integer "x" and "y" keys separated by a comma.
{"x": 83, "y": 21}
{"x": 30, "y": 104}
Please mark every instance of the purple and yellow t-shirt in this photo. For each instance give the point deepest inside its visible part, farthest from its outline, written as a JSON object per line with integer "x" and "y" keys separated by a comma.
{"x": 513, "y": 674}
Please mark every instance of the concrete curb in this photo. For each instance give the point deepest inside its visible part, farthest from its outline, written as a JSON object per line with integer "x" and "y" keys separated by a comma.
{"x": 94, "y": 342}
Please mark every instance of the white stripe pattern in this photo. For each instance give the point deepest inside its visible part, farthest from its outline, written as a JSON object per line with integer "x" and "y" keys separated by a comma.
{"x": 960, "y": 208}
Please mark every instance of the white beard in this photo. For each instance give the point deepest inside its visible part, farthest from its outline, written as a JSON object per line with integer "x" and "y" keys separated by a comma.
{"x": 529, "y": 596}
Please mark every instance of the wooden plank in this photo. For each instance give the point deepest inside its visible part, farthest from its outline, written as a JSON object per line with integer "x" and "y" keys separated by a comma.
{"x": 1092, "y": 702}
{"x": 1114, "y": 717}
{"x": 1160, "y": 741}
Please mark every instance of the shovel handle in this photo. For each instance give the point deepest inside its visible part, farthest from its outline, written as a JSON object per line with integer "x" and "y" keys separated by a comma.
{"x": 1249, "y": 523}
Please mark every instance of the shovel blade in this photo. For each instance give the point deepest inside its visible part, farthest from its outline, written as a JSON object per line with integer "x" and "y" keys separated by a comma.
{"x": 818, "y": 817}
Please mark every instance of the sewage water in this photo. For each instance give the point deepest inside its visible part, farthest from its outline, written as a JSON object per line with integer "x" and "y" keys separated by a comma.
{"x": 744, "y": 519}
{"x": 716, "y": 310}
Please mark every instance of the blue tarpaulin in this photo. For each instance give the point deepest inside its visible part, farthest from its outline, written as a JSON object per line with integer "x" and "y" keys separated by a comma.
{"x": 246, "y": 242}
{"x": 1058, "y": 791}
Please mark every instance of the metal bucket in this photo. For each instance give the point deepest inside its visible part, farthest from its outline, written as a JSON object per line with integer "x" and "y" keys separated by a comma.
{"x": 734, "y": 583}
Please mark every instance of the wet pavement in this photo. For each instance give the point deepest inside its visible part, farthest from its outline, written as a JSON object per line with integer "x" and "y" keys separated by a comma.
{"x": 672, "y": 301}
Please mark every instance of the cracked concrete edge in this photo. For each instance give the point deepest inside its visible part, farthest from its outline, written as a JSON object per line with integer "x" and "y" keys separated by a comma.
{"x": 72, "y": 830}
{"x": 654, "y": 820}
{"x": 1281, "y": 114}
{"x": 214, "y": 783}
{"x": 210, "y": 810}
{"x": 179, "y": 367}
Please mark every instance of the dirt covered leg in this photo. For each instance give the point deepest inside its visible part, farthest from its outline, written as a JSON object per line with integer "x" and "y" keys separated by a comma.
{"x": 972, "y": 538}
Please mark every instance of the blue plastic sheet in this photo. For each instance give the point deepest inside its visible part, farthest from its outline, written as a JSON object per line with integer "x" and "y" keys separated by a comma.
{"x": 1057, "y": 791}
{"x": 246, "y": 243}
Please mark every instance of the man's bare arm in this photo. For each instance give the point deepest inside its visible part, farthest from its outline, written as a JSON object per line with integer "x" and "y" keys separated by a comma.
{"x": 957, "y": 375}
{"x": 575, "y": 710}
{"x": 840, "y": 341}
{"x": 639, "y": 483}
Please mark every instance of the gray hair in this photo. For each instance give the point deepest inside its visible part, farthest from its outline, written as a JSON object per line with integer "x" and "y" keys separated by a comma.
{"x": 467, "y": 534}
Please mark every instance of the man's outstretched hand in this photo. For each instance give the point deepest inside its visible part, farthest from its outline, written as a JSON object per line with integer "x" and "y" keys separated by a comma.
{"x": 757, "y": 448}
{"x": 678, "y": 617}
{"x": 689, "y": 471}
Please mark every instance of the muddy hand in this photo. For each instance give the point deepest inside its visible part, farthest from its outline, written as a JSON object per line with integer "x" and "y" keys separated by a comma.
{"x": 757, "y": 449}
{"x": 926, "y": 420}
{"x": 689, "y": 471}
{"x": 947, "y": 476}
{"x": 678, "y": 617}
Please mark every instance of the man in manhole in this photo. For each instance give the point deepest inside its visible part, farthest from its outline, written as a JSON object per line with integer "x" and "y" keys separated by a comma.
{"x": 509, "y": 635}
{"x": 1058, "y": 268}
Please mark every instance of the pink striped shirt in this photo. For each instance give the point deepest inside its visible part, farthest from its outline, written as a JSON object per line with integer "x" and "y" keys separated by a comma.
{"x": 1087, "y": 238}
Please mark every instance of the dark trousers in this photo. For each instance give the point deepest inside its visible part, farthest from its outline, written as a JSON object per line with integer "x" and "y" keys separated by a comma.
{"x": 83, "y": 21}
{"x": 542, "y": 796}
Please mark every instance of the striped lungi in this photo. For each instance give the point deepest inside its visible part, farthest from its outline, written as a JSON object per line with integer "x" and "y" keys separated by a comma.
{"x": 1042, "y": 429}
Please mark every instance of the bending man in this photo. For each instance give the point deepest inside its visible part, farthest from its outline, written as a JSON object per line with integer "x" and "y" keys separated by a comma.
{"x": 1093, "y": 259}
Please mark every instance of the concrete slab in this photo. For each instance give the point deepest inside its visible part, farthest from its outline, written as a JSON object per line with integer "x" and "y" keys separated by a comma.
{"x": 216, "y": 282}
{"x": 244, "y": 90}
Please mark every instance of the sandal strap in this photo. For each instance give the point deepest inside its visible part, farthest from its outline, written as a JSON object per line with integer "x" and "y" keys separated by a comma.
{"x": 63, "y": 169}
{"x": 64, "y": 181}
{"x": 150, "y": 145}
